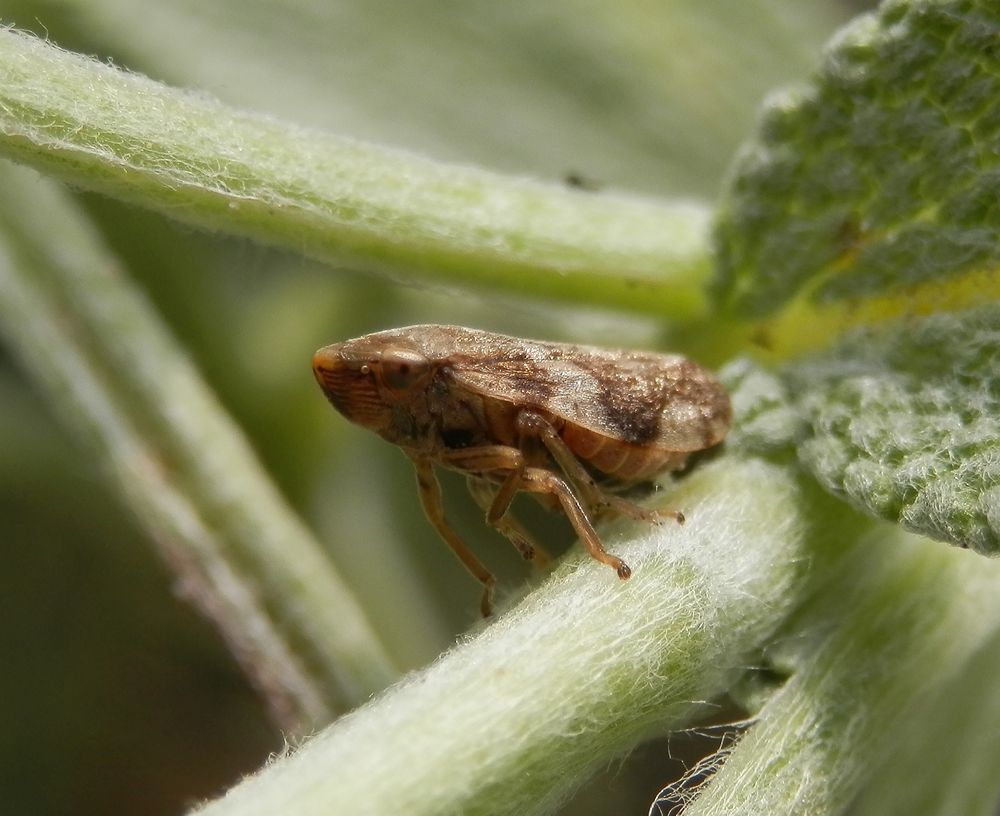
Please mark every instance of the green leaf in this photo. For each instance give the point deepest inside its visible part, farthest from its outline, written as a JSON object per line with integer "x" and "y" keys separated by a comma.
{"x": 905, "y": 422}
{"x": 765, "y": 421}
{"x": 872, "y": 192}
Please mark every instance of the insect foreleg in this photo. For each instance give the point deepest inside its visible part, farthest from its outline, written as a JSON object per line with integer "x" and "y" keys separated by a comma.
{"x": 530, "y": 423}
{"x": 430, "y": 498}
{"x": 482, "y": 492}
{"x": 539, "y": 480}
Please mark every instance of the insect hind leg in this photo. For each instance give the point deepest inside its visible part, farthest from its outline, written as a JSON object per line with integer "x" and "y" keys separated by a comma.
{"x": 507, "y": 523}
{"x": 599, "y": 501}
{"x": 540, "y": 480}
{"x": 636, "y": 512}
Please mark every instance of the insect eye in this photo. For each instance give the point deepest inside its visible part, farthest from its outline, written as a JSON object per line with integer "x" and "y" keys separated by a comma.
{"x": 402, "y": 369}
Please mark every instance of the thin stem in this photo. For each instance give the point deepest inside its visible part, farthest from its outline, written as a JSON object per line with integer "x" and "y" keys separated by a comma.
{"x": 104, "y": 358}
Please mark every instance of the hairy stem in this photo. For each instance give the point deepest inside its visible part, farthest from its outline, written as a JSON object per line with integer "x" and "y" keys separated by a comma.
{"x": 351, "y": 204}
{"x": 577, "y": 673}
{"x": 105, "y": 360}
{"x": 886, "y": 644}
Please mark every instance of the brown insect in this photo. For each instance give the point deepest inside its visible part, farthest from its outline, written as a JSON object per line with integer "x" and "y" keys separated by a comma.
{"x": 567, "y": 423}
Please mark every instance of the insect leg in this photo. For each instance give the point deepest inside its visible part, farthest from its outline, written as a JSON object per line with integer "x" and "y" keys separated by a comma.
{"x": 530, "y": 423}
{"x": 508, "y": 524}
{"x": 539, "y": 480}
{"x": 430, "y": 498}
{"x": 491, "y": 459}
{"x": 535, "y": 480}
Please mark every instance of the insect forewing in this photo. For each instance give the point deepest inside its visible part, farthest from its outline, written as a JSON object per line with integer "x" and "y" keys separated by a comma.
{"x": 660, "y": 400}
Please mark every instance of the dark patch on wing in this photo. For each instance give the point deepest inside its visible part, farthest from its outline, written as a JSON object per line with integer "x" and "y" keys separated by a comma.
{"x": 634, "y": 397}
{"x": 638, "y": 402}
{"x": 631, "y": 404}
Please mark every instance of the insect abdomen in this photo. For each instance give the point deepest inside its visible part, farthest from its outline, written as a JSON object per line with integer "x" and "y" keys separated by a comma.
{"x": 617, "y": 459}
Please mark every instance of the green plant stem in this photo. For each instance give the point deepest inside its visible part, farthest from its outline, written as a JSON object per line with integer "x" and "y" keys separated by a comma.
{"x": 912, "y": 622}
{"x": 945, "y": 760}
{"x": 103, "y": 357}
{"x": 351, "y": 204}
{"x": 577, "y": 673}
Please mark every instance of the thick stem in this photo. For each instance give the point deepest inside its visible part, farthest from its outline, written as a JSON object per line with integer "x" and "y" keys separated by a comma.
{"x": 339, "y": 200}
{"x": 886, "y": 645}
{"x": 577, "y": 673}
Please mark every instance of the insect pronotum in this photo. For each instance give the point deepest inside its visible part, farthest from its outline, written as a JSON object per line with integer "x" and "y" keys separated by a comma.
{"x": 564, "y": 422}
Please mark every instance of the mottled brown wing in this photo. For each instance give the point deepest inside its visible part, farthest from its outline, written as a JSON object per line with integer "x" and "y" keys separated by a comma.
{"x": 660, "y": 400}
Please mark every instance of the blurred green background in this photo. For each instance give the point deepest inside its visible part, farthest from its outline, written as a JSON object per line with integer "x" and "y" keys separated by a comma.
{"x": 116, "y": 697}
